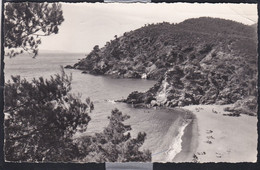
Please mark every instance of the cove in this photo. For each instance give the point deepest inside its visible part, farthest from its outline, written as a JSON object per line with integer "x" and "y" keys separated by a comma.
{"x": 162, "y": 126}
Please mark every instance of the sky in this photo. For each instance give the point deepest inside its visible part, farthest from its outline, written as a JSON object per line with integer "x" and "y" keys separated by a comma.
{"x": 90, "y": 24}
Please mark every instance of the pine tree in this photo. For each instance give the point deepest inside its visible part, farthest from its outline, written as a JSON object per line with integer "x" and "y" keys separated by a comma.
{"x": 25, "y": 23}
{"x": 41, "y": 118}
{"x": 115, "y": 144}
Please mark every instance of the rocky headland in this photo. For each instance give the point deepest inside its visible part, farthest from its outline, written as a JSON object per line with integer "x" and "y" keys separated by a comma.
{"x": 198, "y": 61}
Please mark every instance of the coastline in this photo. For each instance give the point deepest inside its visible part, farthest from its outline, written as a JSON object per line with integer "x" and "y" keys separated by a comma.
{"x": 171, "y": 142}
{"x": 189, "y": 141}
{"x": 219, "y": 138}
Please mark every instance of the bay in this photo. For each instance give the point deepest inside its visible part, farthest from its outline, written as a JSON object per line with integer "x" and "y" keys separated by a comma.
{"x": 102, "y": 90}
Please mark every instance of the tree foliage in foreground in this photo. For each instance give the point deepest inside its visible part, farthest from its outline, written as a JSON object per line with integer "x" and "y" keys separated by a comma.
{"x": 25, "y": 23}
{"x": 115, "y": 143}
{"x": 42, "y": 116}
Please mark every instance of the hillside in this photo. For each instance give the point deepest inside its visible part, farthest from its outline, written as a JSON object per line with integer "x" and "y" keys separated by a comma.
{"x": 198, "y": 61}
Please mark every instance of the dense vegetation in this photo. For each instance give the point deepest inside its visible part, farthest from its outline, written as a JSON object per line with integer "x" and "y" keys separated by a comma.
{"x": 114, "y": 144}
{"x": 26, "y": 22}
{"x": 154, "y": 48}
{"x": 198, "y": 61}
{"x": 42, "y": 117}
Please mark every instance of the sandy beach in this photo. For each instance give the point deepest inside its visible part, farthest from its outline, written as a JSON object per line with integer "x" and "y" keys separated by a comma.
{"x": 189, "y": 142}
{"x": 170, "y": 141}
{"x": 213, "y": 137}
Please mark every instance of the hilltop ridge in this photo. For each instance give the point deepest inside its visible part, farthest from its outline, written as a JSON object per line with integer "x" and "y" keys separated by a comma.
{"x": 198, "y": 61}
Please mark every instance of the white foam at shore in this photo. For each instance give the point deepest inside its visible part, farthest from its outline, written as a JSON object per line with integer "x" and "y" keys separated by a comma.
{"x": 176, "y": 146}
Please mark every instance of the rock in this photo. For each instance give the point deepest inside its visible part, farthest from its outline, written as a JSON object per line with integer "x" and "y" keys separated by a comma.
{"x": 168, "y": 104}
{"x": 132, "y": 74}
{"x": 121, "y": 100}
{"x": 148, "y": 97}
{"x": 140, "y": 105}
{"x": 154, "y": 103}
{"x": 96, "y": 71}
{"x": 69, "y": 67}
{"x": 181, "y": 103}
{"x": 246, "y": 106}
{"x": 144, "y": 76}
{"x": 221, "y": 102}
{"x": 175, "y": 103}
{"x": 229, "y": 109}
{"x": 135, "y": 98}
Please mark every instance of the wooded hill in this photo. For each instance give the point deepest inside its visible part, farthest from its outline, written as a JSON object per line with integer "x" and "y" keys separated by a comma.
{"x": 198, "y": 61}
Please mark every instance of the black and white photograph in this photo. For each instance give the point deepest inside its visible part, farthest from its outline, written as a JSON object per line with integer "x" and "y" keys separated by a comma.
{"x": 130, "y": 82}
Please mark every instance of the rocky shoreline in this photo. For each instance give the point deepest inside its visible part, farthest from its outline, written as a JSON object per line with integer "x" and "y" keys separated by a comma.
{"x": 192, "y": 64}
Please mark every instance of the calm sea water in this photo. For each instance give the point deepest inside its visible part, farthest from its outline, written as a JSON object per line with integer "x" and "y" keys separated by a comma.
{"x": 103, "y": 91}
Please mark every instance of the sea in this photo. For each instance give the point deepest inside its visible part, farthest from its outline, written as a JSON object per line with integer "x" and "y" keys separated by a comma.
{"x": 164, "y": 127}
